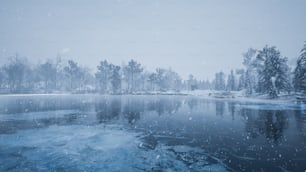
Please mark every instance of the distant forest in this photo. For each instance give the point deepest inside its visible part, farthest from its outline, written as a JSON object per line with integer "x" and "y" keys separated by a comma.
{"x": 265, "y": 71}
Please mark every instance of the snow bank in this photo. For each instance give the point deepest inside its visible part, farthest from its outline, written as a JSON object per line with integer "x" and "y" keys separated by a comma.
{"x": 207, "y": 94}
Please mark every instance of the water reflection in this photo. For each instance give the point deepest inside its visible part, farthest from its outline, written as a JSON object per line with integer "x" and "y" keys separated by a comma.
{"x": 192, "y": 103}
{"x": 220, "y": 105}
{"x": 243, "y": 135}
{"x": 132, "y": 110}
{"x": 107, "y": 110}
{"x": 163, "y": 105}
{"x": 269, "y": 123}
{"x": 14, "y": 105}
{"x": 13, "y": 126}
{"x": 232, "y": 109}
{"x": 300, "y": 116}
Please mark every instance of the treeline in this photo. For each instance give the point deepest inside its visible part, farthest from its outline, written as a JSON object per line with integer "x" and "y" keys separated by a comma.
{"x": 18, "y": 75}
{"x": 265, "y": 72}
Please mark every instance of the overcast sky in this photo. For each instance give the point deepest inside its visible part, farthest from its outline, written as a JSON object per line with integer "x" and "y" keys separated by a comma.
{"x": 192, "y": 37}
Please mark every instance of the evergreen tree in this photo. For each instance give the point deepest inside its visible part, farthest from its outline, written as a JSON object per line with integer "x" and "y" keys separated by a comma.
{"x": 47, "y": 73}
{"x": 172, "y": 80}
{"x": 192, "y": 82}
{"x": 219, "y": 81}
{"x": 249, "y": 82}
{"x": 165, "y": 79}
{"x": 250, "y": 76}
{"x": 72, "y": 72}
{"x": 274, "y": 76}
{"x": 18, "y": 74}
{"x": 283, "y": 79}
{"x": 160, "y": 79}
{"x": 103, "y": 76}
{"x": 132, "y": 74}
{"x": 231, "y": 83}
{"x": 299, "y": 80}
{"x": 241, "y": 80}
{"x": 152, "y": 80}
{"x": 115, "y": 78}
{"x": 2, "y": 79}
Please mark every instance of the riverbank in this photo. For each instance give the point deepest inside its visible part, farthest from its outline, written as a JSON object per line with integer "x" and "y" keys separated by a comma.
{"x": 207, "y": 94}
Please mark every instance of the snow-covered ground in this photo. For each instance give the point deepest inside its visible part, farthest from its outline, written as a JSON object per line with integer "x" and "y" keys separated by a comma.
{"x": 240, "y": 96}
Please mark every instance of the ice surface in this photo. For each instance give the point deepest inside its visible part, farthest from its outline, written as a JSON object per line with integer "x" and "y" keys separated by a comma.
{"x": 36, "y": 115}
{"x": 94, "y": 148}
{"x": 150, "y": 133}
{"x": 276, "y": 106}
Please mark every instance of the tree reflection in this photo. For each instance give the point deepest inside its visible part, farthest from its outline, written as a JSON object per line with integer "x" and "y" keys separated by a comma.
{"x": 270, "y": 123}
{"x": 132, "y": 110}
{"x": 192, "y": 103}
{"x": 162, "y": 106}
{"x": 107, "y": 110}
{"x": 232, "y": 109}
{"x": 220, "y": 105}
{"x": 300, "y": 117}
{"x": 159, "y": 106}
{"x": 275, "y": 123}
{"x": 37, "y": 104}
{"x": 12, "y": 126}
{"x": 252, "y": 124}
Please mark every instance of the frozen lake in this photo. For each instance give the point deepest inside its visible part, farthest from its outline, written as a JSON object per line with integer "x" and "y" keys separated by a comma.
{"x": 149, "y": 133}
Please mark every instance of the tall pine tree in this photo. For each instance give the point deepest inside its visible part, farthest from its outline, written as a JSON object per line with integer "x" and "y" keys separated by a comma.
{"x": 231, "y": 82}
{"x": 219, "y": 81}
{"x": 299, "y": 80}
{"x": 250, "y": 63}
{"x": 274, "y": 76}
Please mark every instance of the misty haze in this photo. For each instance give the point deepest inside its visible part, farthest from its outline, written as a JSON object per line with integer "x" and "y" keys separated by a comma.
{"x": 131, "y": 85}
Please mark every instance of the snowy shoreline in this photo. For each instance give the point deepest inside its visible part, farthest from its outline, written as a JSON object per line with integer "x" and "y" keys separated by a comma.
{"x": 206, "y": 94}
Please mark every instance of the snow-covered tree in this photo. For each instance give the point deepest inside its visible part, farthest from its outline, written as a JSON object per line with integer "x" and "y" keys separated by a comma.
{"x": 219, "y": 81}
{"x": 192, "y": 83}
{"x": 250, "y": 76}
{"x": 231, "y": 82}
{"x": 47, "y": 74}
{"x": 299, "y": 80}
{"x": 204, "y": 84}
{"x": 250, "y": 81}
{"x": 132, "y": 74}
{"x": 172, "y": 80}
{"x": 60, "y": 80}
{"x": 241, "y": 80}
{"x": 274, "y": 76}
{"x": 72, "y": 71}
{"x": 86, "y": 80}
{"x": 165, "y": 79}
{"x": 152, "y": 79}
{"x": 160, "y": 79}
{"x": 103, "y": 76}
{"x": 2, "y": 78}
{"x": 18, "y": 74}
{"x": 115, "y": 78}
